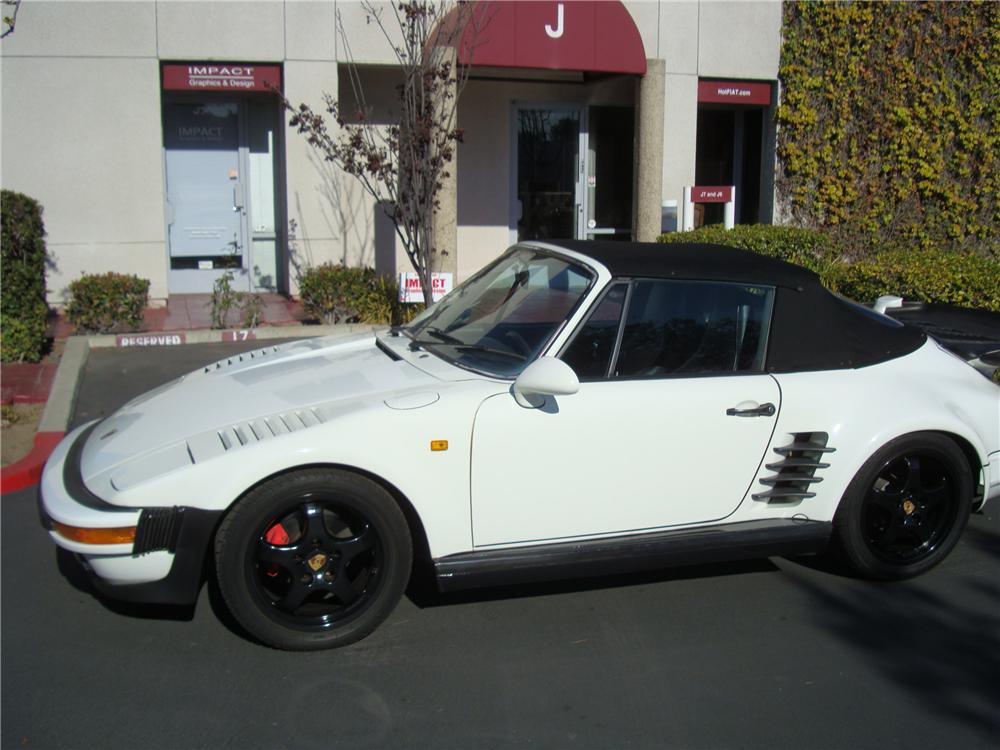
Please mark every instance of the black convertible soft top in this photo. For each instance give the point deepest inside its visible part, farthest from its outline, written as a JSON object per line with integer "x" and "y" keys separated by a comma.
{"x": 811, "y": 328}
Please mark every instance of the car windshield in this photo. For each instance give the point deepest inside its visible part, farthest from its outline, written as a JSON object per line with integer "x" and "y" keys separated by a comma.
{"x": 503, "y": 317}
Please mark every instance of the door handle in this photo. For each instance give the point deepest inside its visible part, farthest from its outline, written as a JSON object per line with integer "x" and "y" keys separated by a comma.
{"x": 764, "y": 410}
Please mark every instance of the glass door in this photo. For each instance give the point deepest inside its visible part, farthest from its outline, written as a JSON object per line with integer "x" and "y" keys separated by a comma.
{"x": 223, "y": 208}
{"x": 549, "y": 195}
{"x": 205, "y": 195}
{"x": 573, "y": 172}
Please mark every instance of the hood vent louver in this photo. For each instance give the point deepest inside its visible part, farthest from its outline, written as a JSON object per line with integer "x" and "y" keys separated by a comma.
{"x": 245, "y": 357}
{"x": 797, "y": 469}
{"x": 265, "y": 428}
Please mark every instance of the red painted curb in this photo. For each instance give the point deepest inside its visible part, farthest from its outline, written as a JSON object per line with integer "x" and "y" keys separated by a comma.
{"x": 28, "y": 470}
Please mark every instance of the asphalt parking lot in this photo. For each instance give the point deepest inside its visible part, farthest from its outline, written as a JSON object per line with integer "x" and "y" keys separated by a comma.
{"x": 769, "y": 654}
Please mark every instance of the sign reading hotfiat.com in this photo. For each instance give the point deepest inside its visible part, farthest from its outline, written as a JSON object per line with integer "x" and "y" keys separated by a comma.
{"x": 734, "y": 92}
{"x": 221, "y": 77}
{"x": 410, "y": 289}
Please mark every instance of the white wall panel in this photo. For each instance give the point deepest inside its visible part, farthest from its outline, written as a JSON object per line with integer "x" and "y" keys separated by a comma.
{"x": 679, "y": 36}
{"x": 229, "y": 31}
{"x": 83, "y": 136}
{"x": 680, "y": 128}
{"x": 105, "y": 29}
{"x": 311, "y": 30}
{"x": 739, "y": 39}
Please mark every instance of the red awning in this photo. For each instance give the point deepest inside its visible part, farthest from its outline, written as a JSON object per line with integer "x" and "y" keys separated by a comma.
{"x": 584, "y": 35}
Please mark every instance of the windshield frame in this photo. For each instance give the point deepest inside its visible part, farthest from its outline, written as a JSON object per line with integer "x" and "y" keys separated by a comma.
{"x": 441, "y": 349}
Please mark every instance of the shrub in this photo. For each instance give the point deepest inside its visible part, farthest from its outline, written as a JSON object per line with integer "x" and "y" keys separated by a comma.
{"x": 22, "y": 338}
{"x": 958, "y": 279}
{"x": 804, "y": 247}
{"x": 225, "y": 299}
{"x": 930, "y": 275}
{"x": 22, "y": 304}
{"x": 107, "y": 303}
{"x": 337, "y": 294}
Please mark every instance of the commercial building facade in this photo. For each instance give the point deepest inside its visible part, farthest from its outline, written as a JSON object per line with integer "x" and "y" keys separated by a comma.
{"x": 151, "y": 133}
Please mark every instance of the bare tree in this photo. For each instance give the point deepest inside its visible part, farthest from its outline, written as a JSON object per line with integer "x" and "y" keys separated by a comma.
{"x": 403, "y": 165}
{"x": 10, "y": 8}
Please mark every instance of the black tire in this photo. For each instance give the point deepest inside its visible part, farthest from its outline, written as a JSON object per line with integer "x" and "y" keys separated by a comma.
{"x": 905, "y": 509}
{"x": 314, "y": 559}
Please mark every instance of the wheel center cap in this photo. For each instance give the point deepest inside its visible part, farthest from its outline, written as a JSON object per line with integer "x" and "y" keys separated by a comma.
{"x": 317, "y": 561}
{"x": 908, "y": 507}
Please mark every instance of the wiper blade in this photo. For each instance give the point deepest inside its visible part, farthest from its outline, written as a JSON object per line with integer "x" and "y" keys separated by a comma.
{"x": 442, "y": 336}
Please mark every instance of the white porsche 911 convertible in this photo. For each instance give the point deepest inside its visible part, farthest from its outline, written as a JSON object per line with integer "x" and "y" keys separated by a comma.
{"x": 574, "y": 409}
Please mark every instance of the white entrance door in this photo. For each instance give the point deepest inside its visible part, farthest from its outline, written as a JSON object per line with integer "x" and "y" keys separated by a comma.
{"x": 206, "y": 230}
{"x": 222, "y": 209}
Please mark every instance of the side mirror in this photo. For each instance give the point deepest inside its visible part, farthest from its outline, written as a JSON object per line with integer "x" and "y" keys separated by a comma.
{"x": 546, "y": 376}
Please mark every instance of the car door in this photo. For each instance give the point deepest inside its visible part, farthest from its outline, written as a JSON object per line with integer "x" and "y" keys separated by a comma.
{"x": 669, "y": 426}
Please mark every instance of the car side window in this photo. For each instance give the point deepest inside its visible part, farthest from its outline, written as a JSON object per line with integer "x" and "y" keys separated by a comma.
{"x": 694, "y": 327}
{"x": 589, "y": 354}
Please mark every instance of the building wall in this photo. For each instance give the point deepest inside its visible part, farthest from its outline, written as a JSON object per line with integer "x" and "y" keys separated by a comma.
{"x": 485, "y": 165}
{"x": 82, "y": 131}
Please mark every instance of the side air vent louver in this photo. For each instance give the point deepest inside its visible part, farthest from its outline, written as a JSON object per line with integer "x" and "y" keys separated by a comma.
{"x": 245, "y": 357}
{"x": 796, "y": 471}
{"x": 157, "y": 530}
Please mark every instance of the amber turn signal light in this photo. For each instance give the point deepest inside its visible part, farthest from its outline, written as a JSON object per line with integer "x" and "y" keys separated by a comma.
{"x": 439, "y": 445}
{"x": 120, "y": 535}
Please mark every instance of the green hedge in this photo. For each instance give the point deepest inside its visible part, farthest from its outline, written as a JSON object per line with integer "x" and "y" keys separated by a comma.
{"x": 107, "y": 303}
{"x": 22, "y": 304}
{"x": 929, "y": 275}
{"x": 925, "y": 275}
{"x": 337, "y": 294}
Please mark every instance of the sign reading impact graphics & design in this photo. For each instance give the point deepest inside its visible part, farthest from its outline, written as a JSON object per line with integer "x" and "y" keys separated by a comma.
{"x": 221, "y": 77}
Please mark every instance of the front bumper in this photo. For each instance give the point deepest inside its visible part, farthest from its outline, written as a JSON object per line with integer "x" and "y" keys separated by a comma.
{"x": 165, "y": 562}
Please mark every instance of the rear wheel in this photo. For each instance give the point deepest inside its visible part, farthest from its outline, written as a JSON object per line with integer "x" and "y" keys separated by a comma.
{"x": 313, "y": 559}
{"x": 906, "y": 508}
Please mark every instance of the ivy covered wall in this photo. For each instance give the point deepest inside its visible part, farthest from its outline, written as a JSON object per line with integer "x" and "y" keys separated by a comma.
{"x": 889, "y": 127}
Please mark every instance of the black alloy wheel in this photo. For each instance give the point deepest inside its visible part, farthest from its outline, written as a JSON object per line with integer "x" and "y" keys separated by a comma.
{"x": 313, "y": 559}
{"x": 909, "y": 509}
{"x": 316, "y": 563}
{"x": 906, "y": 508}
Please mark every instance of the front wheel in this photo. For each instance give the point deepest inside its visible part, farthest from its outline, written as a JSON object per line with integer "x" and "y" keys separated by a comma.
{"x": 314, "y": 559}
{"x": 906, "y": 508}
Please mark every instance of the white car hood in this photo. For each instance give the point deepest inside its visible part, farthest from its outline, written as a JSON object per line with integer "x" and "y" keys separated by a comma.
{"x": 277, "y": 388}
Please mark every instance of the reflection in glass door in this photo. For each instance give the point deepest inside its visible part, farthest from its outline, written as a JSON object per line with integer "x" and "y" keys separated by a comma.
{"x": 574, "y": 172}
{"x": 548, "y": 172}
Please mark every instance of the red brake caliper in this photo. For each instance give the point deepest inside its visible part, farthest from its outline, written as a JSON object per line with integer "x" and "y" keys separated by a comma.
{"x": 277, "y": 536}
